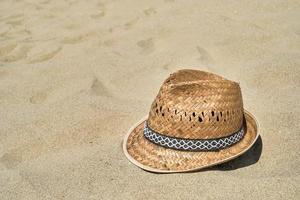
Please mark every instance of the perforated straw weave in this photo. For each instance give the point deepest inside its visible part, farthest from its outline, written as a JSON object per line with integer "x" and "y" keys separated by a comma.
{"x": 192, "y": 105}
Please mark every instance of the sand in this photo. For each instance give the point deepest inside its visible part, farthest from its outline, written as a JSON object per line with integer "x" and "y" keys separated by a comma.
{"x": 75, "y": 75}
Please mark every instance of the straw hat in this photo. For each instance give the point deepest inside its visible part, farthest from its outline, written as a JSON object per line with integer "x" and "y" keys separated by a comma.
{"x": 197, "y": 120}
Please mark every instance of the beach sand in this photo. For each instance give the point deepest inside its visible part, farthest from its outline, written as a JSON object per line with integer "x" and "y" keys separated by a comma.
{"x": 76, "y": 75}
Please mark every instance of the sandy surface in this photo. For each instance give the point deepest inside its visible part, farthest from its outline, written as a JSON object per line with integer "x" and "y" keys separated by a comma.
{"x": 75, "y": 75}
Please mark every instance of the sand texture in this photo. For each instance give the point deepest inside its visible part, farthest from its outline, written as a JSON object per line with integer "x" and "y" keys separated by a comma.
{"x": 75, "y": 75}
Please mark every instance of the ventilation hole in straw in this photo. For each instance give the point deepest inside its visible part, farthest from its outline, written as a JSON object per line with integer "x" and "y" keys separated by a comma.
{"x": 190, "y": 119}
{"x": 168, "y": 110}
{"x": 217, "y": 118}
{"x": 180, "y": 117}
{"x": 194, "y": 114}
{"x": 162, "y": 114}
{"x": 184, "y": 113}
{"x": 200, "y": 119}
{"x": 202, "y": 113}
{"x": 221, "y": 113}
{"x": 175, "y": 112}
{"x": 160, "y": 108}
{"x": 212, "y": 113}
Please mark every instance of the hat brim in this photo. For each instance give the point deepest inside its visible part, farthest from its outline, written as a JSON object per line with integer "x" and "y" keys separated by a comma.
{"x": 154, "y": 158}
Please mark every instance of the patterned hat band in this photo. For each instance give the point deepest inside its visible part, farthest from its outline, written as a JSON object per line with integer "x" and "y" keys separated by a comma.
{"x": 192, "y": 144}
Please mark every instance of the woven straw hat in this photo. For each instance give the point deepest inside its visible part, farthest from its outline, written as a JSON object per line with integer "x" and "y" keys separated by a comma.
{"x": 197, "y": 120}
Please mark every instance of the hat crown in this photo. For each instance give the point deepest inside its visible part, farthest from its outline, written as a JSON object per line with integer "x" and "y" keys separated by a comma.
{"x": 195, "y": 104}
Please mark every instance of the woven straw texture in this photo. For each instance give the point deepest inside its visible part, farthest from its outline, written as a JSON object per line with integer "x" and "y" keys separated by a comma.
{"x": 192, "y": 104}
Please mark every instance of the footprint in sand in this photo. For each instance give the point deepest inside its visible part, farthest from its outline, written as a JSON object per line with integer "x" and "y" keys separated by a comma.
{"x": 97, "y": 88}
{"x": 149, "y": 11}
{"x": 166, "y": 66}
{"x": 204, "y": 56}
{"x": 15, "y": 53}
{"x": 147, "y": 45}
{"x": 78, "y": 38}
{"x": 25, "y": 152}
{"x": 131, "y": 23}
{"x": 43, "y": 54}
{"x": 98, "y": 15}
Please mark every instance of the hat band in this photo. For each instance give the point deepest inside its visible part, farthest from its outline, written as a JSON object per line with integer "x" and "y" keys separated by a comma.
{"x": 192, "y": 144}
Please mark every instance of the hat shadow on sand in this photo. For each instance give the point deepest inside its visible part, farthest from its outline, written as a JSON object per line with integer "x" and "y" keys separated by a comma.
{"x": 250, "y": 157}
